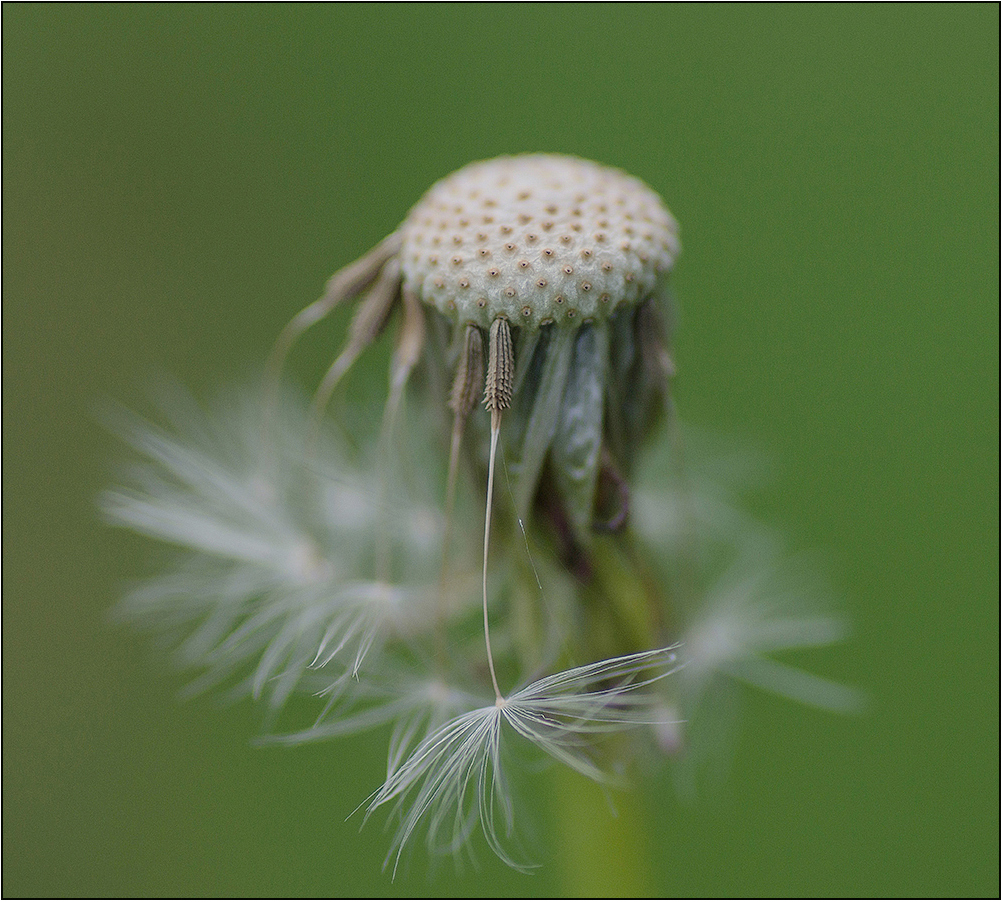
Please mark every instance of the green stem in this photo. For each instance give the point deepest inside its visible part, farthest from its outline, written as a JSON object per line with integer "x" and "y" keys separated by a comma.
{"x": 601, "y": 851}
{"x": 629, "y": 608}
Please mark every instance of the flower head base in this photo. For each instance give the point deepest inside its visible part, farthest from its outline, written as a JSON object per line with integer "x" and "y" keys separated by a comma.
{"x": 570, "y": 258}
{"x": 536, "y": 239}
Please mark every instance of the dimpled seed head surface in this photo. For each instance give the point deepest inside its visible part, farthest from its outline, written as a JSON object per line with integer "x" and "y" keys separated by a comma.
{"x": 537, "y": 239}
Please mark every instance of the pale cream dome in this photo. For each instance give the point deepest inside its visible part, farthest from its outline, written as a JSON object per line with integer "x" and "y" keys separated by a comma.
{"x": 535, "y": 239}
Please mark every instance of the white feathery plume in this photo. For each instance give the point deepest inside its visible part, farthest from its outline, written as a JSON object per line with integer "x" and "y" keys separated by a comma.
{"x": 273, "y": 593}
{"x": 272, "y": 574}
{"x": 752, "y": 602}
{"x": 410, "y": 696}
{"x": 745, "y": 619}
{"x": 456, "y": 772}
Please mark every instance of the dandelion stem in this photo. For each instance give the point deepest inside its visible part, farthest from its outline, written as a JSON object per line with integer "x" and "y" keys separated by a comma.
{"x": 601, "y": 839}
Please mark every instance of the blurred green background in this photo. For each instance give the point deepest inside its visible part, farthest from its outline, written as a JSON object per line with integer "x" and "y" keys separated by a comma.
{"x": 178, "y": 180}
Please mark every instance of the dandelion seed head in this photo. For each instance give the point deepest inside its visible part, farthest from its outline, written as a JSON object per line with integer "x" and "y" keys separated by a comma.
{"x": 534, "y": 282}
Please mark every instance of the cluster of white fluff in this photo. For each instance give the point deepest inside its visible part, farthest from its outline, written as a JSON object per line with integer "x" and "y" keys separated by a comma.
{"x": 315, "y": 571}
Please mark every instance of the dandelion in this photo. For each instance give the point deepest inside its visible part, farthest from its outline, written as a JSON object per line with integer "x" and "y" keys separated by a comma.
{"x": 536, "y": 284}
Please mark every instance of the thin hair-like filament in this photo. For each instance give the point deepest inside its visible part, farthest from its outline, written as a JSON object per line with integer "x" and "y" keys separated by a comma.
{"x": 497, "y": 397}
{"x": 462, "y": 399}
{"x": 344, "y": 284}
{"x": 366, "y": 325}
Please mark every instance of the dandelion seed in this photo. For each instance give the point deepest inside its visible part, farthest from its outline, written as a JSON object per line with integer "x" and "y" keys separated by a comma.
{"x": 744, "y": 621}
{"x": 272, "y": 578}
{"x": 497, "y": 396}
{"x": 753, "y": 604}
{"x": 456, "y": 777}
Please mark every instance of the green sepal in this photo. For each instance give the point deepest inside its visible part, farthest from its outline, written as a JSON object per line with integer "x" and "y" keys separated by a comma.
{"x": 638, "y": 389}
{"x": 622, "y": 352}
{"x": 536, "y": 410}
{"x": 575, "y": 452}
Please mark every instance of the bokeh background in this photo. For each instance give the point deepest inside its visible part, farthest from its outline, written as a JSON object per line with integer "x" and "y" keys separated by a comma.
{"x": 178, "y": 180}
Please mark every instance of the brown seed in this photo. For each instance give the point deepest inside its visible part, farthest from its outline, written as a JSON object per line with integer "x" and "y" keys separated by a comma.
{"x": 501, "y": 366}
{"x": 469, "y": 373}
